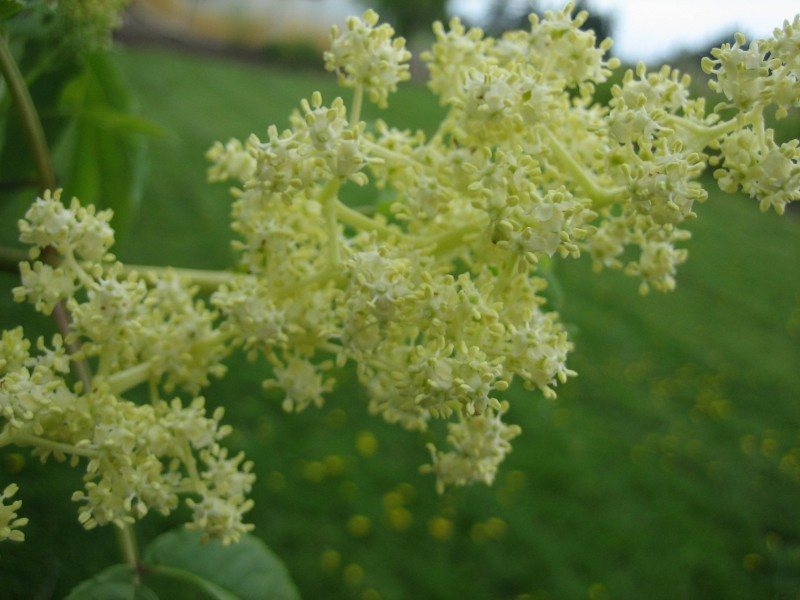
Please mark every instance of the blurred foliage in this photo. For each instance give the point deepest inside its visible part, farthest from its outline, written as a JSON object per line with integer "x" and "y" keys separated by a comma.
{"x": 295, "y": 54}
{"x": 409, "y": 18}
{"x": 85, "y": 107}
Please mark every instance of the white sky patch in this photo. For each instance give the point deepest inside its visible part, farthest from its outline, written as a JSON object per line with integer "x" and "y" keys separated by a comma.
{"x": 651, "y": 30}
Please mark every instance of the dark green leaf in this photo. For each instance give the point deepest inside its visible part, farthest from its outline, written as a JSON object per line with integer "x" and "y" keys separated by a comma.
{"x": 103, "y": 150}
{"x": 8, "y": 8}
{"x": 245, "y": 570}
{"x": 45, "y": 71}
{"x": 170, "y": 583}
{"x": 115, "y": 583}
{"x": 116, "y": 121}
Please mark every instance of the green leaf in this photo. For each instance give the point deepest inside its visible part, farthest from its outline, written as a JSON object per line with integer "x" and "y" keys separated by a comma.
{"x": 8, "y": 8}
{"x": 117, "y": 121}
{"x": 178, "y": 584}
{"x": 115, "y": 583}
{"x": 245, "y": 570}
{"x": 102, "y": 152}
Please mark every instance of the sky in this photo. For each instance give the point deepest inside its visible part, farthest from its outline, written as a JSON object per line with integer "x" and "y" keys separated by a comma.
{"x": 651, "y": 30}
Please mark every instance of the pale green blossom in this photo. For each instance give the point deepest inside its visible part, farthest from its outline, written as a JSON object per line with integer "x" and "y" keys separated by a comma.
{"x": 366, "y": 54}
{"x": 10, "y": 521}
{"x": 437, "y": 300}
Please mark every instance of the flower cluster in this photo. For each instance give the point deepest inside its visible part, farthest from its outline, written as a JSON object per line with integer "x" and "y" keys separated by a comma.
{"x": 753, "y": 77}
{"x": 438, "y": 302}
{"x": 133, "y": 330}
{"x": 369, "y": 57}
{"x": 10, "y": 522}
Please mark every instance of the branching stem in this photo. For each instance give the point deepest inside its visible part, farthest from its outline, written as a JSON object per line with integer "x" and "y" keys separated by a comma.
{"x": 30, "y": 118}
{"x": 208, "y": 281}
{"x": 601, "y": 196}
{"x": 26, "y": 439}
{"x": 122, "y": 381}
{"x": 360, "y": 221}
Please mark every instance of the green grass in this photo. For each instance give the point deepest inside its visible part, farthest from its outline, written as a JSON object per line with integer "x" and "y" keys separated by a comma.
{"x": 656, "y": 474}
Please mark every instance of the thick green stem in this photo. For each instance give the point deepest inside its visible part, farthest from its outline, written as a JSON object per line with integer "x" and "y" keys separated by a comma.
{"x": 360, "y": 221}
{"x": 126, "y": 539}
{"x": 705, "y": 133}
{"x": 600, "y": 195}
{"x": 10, "y": 259}
{"x": 122, "y": 381}
{"x": 450, "y": 240}
{"x": 25, "y": 439}
{"x": 30, "y": 118}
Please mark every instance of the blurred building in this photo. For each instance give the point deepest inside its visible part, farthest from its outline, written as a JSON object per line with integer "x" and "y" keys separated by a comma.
{"x": 247, "y": 23}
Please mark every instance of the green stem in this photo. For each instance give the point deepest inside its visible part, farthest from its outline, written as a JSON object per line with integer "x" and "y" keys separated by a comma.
{"x": 20, "y": 184}
{"x": 83, "y": 277}
{"x": 30, "y": 118}
{"x": 190, "y": 462}
{"x": 6, "y": 438}
{"x": 360, "y": 221}
{"x": 330, "y": 347}
{"x": 207, "y": 281}
{"x": 380, "y": 151}
{"x": 505, "y": 274}
{"x": 126, "y": 539}
{"x": 10, "y": 259}
{"x": 122, "y": 381}
{"x": 355, "y": 109}
{"x": 328, "y": 200}
{"x": 450, "y": 240}
{"x": 80, "y": 367}
{"x": 25, "y": 439}
{"x": 600, "y": 195}
{"x": 705, "y": 133}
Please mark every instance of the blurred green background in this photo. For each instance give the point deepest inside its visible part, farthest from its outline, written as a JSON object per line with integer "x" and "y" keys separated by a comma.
{"x": 669, "y": 468}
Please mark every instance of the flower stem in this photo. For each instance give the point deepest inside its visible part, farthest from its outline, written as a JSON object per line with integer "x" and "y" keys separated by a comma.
{"x": 26, "y": 439}
{"x": 10, "y": 259}
{"x": 600, "y": 195}
{"x": 206, "y": 280}
{"x": 355, "y": 109}
{"x": 30, "y": 118}
{"x": 452, "y": 239}
{"x": 705, "y": 134}
{"x": 328, "y": 200}
{"x": 127, "y": 545}
{"x": 6, "y": 439}
{"x": 359, "y": 221}
{"x": 122, "y": 381}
